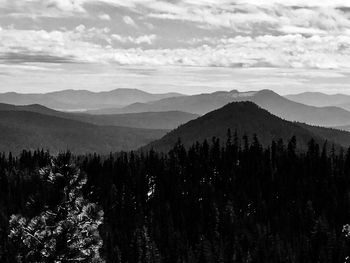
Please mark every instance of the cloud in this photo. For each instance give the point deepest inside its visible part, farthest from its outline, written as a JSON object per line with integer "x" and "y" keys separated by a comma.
{"x": 300, "y": 3}
{"x": 267, "y": 16}
{"x": 145, "y": 39}
{"x": 42, "y": 8}
{"x": 302, "y": 30}
{"x": 79, "y": 45}
{"x": 248, "y": 17}
{"x": 105, "y": 17}
{"x": 150, "y": 26}
{"x": 129, "y": 21}
{"x": 227, "y": 33}
{"x": 19, "y": 57}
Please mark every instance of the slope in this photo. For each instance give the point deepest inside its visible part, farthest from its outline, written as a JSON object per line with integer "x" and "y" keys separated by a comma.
{"x": 245, "y": 118}
{"x": 83, "y": 99}
{"x": 269, "y": 100}
{"x": 29, "y": 130}
{"x": 293, "y": 111}
{"x": 319, "y": 99}
{"x": 197, "y": 104}
{"x": 145, "y": 120}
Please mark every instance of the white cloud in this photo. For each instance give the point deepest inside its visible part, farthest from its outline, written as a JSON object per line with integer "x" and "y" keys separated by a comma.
{"x": 89, "y": 34}
{"x": 302, "y": 3}
{"x": 129, "y": 21}
{"x": 105, "y": 17}
{"x": 250, "y": 17}
{"x": 254, "y": 18}
{"x": 42, "y": 8}
{"x": 302, "y": 30}
{"x": 145, "y": 39}
{"x": 79, "y": 5}
{"x": 288, "y": 33}
{"x": 150, "y": 26}
{"x": 65, "y": 5}
{"x": 289, "y": 51}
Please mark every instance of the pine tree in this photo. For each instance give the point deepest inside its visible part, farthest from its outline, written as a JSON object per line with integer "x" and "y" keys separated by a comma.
{"x": 65, "y": 233}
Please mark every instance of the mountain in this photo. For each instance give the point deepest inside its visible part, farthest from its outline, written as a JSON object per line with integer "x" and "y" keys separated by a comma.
{"x": 247, "y": 118}
{"x": 345, "y": 106}
{"x": 269, "y": 100}
{"x": 293, "y": 111}
{"x": 83, "y": 99}
{"x": 31, "y": 108}
{"x": 197, "y": 104}
{"x": 320, "y": 99}
{"x": 145, "y": 120}
{"x": 30, "y": 130}
{"x": 343, "y": 128}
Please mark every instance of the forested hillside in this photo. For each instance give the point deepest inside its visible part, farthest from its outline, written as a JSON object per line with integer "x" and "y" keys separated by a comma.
{"x": 29, "y": 130}
{"x": 144, "y": 120}
{"x": 266, "y": 99}
{"x": 239, "y": 203}
{"x": 246, "y": 118}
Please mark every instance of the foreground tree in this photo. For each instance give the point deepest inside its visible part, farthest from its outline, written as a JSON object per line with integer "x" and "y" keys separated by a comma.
{"x": 213, "y": 202}
{"x": 63, "y": 232}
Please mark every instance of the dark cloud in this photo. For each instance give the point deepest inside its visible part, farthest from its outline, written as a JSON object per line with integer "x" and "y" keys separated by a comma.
{"x": 142, "y": 71}
{"x": 5, "y": 74}
{"x": 344, "y": 9}
{"x": 19, "y": 58}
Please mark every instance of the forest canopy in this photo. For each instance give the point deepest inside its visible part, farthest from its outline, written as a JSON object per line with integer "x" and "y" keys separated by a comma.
{"x": 232, "y": 201}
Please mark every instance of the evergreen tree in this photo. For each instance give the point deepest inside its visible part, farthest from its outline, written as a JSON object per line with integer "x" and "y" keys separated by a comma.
{"x": 65, "y": 233}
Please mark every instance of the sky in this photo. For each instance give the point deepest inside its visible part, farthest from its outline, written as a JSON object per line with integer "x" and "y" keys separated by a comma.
{"x": 187, "y": 46}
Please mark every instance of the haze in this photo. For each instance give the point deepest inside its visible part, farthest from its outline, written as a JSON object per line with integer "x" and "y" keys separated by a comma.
{"x": 187, "y": 80}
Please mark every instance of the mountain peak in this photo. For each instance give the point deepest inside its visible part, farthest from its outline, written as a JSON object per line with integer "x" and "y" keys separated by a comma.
{"x": 71, "y": 99}
{"x": 246, "y": 118}
{"x": 267, "y": 92}
{"x": 233, "y": 91}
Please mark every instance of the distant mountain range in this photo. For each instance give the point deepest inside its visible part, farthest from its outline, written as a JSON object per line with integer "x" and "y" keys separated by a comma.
{"x": 180, "y": 108}
{"x": 145, "y": 120}
{"x": 30, "y": 130}
{"x": 321, "y": 100}
{"x": 265, "y": 113}
{"x": 83, "y": 99}
{"x": 247, "y": 118}
{"x": 36, "y": 126}
{"x": 197, "y": 104}
{"x": 269, "y": 100}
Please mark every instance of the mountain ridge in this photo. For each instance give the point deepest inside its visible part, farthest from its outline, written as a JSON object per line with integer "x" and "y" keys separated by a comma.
{"x": 30, "y": 130}
{"x": 83, "y": 99}
{"x": 147, "y": 120}
{"x": 267, "y": 99}
{"x": 320, "y": 99}
{"x": 246, "y": 118}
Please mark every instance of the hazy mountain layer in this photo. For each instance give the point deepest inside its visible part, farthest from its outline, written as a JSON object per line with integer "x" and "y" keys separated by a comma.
{"x": 146, "y": 120}
{"x": 247, "y": 118}
{"x": 320, "y": 99}
{"x": 83, "y": 99}
{"x": 269, "y": 100}
{"x": 29, "y": 130}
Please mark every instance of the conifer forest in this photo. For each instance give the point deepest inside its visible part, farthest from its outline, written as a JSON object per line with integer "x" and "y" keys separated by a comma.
{"x": 231, "y": 201}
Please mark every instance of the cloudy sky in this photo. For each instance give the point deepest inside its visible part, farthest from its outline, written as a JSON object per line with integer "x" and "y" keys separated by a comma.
{"x": 187, "y": 46}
